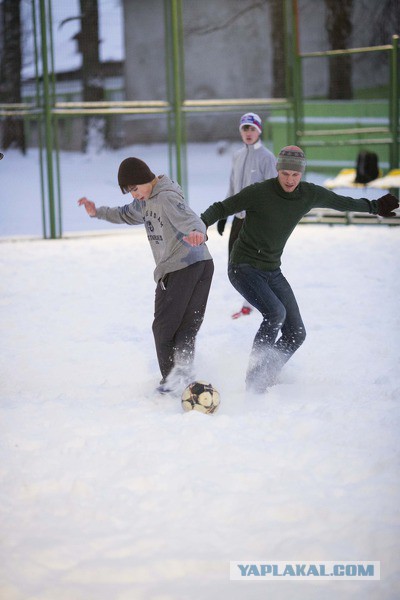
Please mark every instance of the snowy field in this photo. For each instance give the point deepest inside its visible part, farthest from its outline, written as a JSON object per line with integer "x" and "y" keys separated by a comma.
{"x": 109, "y": 492}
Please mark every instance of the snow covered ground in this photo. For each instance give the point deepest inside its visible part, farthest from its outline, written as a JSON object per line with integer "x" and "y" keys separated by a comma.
{"x": 110, "y": 492}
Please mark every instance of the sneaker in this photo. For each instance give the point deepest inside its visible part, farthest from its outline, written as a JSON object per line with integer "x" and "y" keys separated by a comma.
{"x": 164, "y": 389}
{"x": 176, "y": 381}
{"x": 245, "y": 310}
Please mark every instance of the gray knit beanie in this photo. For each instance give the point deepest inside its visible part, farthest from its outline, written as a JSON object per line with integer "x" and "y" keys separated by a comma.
{"x": 291, "y": 158}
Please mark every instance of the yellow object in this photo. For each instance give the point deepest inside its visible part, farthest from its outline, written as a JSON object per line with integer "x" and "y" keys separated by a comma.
{"x": 391, "y": 180}
{"x": 346, "y": 177}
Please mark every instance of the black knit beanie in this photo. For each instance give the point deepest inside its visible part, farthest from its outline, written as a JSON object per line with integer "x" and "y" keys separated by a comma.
{"x": 133, "y": 171}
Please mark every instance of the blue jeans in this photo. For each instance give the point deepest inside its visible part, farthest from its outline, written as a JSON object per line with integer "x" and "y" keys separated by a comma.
{"x": 271, "y": 294}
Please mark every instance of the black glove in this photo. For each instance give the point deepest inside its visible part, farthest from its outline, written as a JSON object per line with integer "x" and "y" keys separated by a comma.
{"x": 221, "y": 226}
{"x": 386, "y": 204}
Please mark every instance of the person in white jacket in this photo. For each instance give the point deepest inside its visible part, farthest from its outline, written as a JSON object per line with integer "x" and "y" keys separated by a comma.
{"x": 251, "y": 164}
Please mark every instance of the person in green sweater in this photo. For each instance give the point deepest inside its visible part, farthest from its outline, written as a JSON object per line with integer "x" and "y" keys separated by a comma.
{"x": 273, "y": 209}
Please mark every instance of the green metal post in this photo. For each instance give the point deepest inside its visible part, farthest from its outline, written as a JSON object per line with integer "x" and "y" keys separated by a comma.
{"x": 394, "y": 104}
{"x": 180, "y": 49}
{"x": 169, "y": 79}
{"x": 293, "y": 69}
{"x": 177, "y": 88}
{"x": 39, "y": 121}
{"x": 174, "y": 8}
{"x": 47, "y": 119}
{"x": 55, "y": 121}
{"x": 287, "y": 12}
{"x": 297, "y": 77}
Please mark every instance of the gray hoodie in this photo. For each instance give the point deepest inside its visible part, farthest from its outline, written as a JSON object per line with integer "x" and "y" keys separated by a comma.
{"x": 167, "y": 219}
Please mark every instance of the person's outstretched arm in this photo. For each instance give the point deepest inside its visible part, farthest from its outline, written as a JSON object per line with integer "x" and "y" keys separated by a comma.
{"x": 89, "y": 206}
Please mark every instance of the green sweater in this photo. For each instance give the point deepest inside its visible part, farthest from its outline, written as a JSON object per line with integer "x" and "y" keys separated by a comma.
{"x": 271, "y": 216}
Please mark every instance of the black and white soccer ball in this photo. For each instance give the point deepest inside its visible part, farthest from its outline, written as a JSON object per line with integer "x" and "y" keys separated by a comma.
{"x": 200, "y": 396}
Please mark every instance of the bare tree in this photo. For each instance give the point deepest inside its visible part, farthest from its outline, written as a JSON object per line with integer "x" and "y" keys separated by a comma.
{"x": 93, "y": 90}
{"x": 386, "y": 21}
{"x": 223, "y": 24}
{"x": 10, "y": 73}
{"x": 278, "y": 49}
{"x": 92, "y": 80}
{"x": 276, "y": 8}
{"x": 339, "y": 28}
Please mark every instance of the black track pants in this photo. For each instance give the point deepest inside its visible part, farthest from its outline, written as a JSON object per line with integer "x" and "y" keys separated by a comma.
{"x": 178, "y": 313}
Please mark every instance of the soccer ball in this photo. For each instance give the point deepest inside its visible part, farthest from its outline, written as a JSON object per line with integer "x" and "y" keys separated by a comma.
{"x": 200, "y": 396}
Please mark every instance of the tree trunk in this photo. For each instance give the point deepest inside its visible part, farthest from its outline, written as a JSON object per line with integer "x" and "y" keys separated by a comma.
{"x": 278, "y": 49}
{"x": 10, "y": 77}
{"x": 93, "y": 90}
{"x": 339, "y": 28}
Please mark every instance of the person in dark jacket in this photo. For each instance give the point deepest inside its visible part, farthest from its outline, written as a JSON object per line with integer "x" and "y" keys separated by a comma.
{"x": 184, "y": 266}
{"x": 273, "y": 209}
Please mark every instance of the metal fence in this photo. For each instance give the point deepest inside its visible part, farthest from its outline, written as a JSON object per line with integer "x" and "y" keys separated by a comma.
{"x": 46, "y": 110}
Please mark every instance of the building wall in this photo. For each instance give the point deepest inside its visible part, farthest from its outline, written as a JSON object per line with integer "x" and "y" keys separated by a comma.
{"x": 228, "y": 54}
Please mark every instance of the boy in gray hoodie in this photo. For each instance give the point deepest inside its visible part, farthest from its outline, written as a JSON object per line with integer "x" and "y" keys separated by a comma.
{"x": 184, "y": 266}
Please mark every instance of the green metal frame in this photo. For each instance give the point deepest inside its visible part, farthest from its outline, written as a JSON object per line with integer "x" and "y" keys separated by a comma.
{"x": 48, "y": 117}
{"x": 175, "y": 89}
{"x": 301, "y": 135}
{"x": 40, "y": 139}
{"x": 47, "y": 109}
